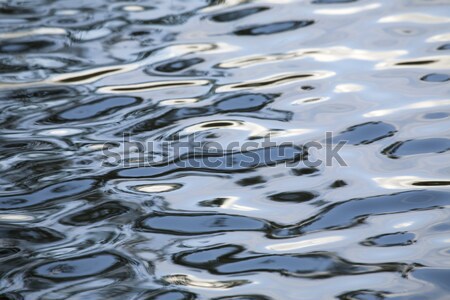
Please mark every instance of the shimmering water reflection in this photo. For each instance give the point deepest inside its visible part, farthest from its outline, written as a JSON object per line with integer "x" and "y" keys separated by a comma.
{"x": 75, "y": 75}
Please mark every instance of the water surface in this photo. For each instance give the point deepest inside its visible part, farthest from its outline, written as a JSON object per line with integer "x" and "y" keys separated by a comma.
{"x": 77, "y": 224}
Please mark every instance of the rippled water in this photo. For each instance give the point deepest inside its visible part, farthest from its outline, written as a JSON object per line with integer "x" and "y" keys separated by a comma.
{"x": 75, "y": 75}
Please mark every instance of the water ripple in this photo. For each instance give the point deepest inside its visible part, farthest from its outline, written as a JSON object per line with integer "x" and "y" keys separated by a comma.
{"x": 85, "y": 215}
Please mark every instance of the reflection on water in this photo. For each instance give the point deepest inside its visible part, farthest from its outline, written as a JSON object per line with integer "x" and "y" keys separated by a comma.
{"x": 77, "y": 74}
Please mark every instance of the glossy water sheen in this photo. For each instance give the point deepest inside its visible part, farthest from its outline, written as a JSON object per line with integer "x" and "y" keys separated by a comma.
{"x": 77, "y": 74}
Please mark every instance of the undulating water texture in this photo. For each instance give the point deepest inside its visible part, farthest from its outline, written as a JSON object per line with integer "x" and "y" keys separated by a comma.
{"x": 111, "y": 110}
